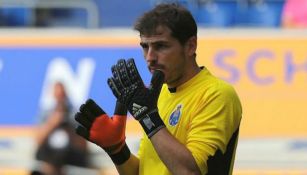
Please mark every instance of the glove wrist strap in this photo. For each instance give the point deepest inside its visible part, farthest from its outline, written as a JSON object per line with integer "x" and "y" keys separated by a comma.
{"x": 122, "y": 156}
{"x": 151, "y": 123}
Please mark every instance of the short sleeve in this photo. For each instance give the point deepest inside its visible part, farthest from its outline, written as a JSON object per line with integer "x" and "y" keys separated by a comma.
{"x": 216, "y": 118}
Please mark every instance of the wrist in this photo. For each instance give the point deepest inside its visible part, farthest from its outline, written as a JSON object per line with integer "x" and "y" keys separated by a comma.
{"x": 151, "y": 123}
{"x": 120, "y": 108}
{"x": 122, "y": 156}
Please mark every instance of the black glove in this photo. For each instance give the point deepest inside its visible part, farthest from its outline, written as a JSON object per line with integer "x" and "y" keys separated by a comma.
{"x": 106, "y": 132}
{"x": 128, "y": 87}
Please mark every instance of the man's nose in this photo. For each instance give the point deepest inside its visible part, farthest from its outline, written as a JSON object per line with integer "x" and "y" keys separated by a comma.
{"x": 151, "y": 55}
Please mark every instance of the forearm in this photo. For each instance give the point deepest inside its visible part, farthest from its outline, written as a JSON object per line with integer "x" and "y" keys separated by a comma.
{"x": 43, "y": 131}
{"x": 130, "y": 167}
{"x": 177, "y": 158}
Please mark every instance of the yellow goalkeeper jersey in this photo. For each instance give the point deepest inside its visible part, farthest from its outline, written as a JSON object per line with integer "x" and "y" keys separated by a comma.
{"x": 203, "y": 114}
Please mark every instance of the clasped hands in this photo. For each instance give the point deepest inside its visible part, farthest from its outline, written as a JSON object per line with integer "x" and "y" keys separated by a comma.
{"x": 132, "y": 95}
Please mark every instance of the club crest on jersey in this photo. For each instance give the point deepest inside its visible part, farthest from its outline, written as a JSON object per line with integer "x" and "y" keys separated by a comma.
{"x": 175, "y": 116}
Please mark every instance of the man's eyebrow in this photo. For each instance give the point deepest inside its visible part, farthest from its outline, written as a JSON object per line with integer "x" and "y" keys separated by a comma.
{"x": 154, "y": 42}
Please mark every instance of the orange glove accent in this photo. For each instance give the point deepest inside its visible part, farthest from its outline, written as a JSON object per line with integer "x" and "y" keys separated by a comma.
{"x": 97, "y": 127}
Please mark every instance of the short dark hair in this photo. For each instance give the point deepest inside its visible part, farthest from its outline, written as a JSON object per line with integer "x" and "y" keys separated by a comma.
{"x": 177, "y": 18}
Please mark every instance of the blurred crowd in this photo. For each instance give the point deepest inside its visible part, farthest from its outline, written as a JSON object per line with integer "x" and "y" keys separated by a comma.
{"x": 104, "y": 13}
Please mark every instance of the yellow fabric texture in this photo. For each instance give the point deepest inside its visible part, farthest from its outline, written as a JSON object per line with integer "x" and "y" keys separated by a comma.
{"x": 202, "y": 114}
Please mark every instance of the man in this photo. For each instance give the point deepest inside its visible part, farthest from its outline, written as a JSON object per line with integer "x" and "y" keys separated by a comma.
{"x": 191, "y": 127}
{"x": 57, "y": 143}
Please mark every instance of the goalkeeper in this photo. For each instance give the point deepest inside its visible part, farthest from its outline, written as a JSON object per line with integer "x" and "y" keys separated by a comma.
{"x": 190, "y": 118}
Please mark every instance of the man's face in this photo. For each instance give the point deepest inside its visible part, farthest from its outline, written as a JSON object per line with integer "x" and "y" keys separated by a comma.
{"x": 59, "y": 92}
{"x": 164, "y": 52}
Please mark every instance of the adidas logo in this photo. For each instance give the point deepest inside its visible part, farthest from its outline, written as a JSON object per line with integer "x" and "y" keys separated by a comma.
{"x": 138, "y": 110}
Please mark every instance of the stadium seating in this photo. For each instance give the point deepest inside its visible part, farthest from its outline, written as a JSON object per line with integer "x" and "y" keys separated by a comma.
{"x": 265, "y": 13}
{"x": 17, "y": 16}
{"x": 76, "y": 13}
{"x": 233, "y": 13}
{"x": 76, "y": 17}
{"x": 117, "y": 13}
{"x": 259, "y": 13}
{"x": 216, "y": 13}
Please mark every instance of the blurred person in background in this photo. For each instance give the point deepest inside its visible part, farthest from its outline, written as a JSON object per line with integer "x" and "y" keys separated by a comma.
{"x": 191, "y": 127}
{"x": 294, "y": 14}
{"x": 57, "y": 143}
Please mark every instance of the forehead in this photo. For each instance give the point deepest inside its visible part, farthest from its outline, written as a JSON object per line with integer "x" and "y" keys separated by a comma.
{"x": 162, "y": 33}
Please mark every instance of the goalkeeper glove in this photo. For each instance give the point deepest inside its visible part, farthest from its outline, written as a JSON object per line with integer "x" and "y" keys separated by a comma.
{"x": 107, "y": 132}
{"x": 127, "y": 85}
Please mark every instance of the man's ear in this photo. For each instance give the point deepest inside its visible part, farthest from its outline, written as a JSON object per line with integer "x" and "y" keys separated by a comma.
{"x": 191, "y": 46}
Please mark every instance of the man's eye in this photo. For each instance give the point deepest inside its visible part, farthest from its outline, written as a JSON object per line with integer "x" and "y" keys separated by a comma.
{"x": 160, "y": 46}
{"x": 144, "y": 46}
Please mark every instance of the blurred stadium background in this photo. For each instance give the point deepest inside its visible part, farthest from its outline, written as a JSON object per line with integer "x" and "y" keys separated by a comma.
{"x": 77, "y": 41}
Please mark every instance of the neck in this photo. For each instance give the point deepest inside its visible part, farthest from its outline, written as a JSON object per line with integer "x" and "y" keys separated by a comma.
{"x": 187, "y": 75}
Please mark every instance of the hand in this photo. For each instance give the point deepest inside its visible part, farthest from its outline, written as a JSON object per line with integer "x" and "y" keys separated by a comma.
{"x": 128, "y": 87}
{"x": 97, "y": 127}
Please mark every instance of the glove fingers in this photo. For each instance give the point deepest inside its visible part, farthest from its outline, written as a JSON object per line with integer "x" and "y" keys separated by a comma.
{"x": 91, "y": 110}
{"x": 114, "y": 88}
{"x": 83, "y": 120}
{"x": 156, "y": 83}
{"x": 82, "y": 132}
{"x": 123, "y": 72}
{"x": 116, "y": 76}
{"x": 94, "y": 108}
{"x": 134, "y": 73}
